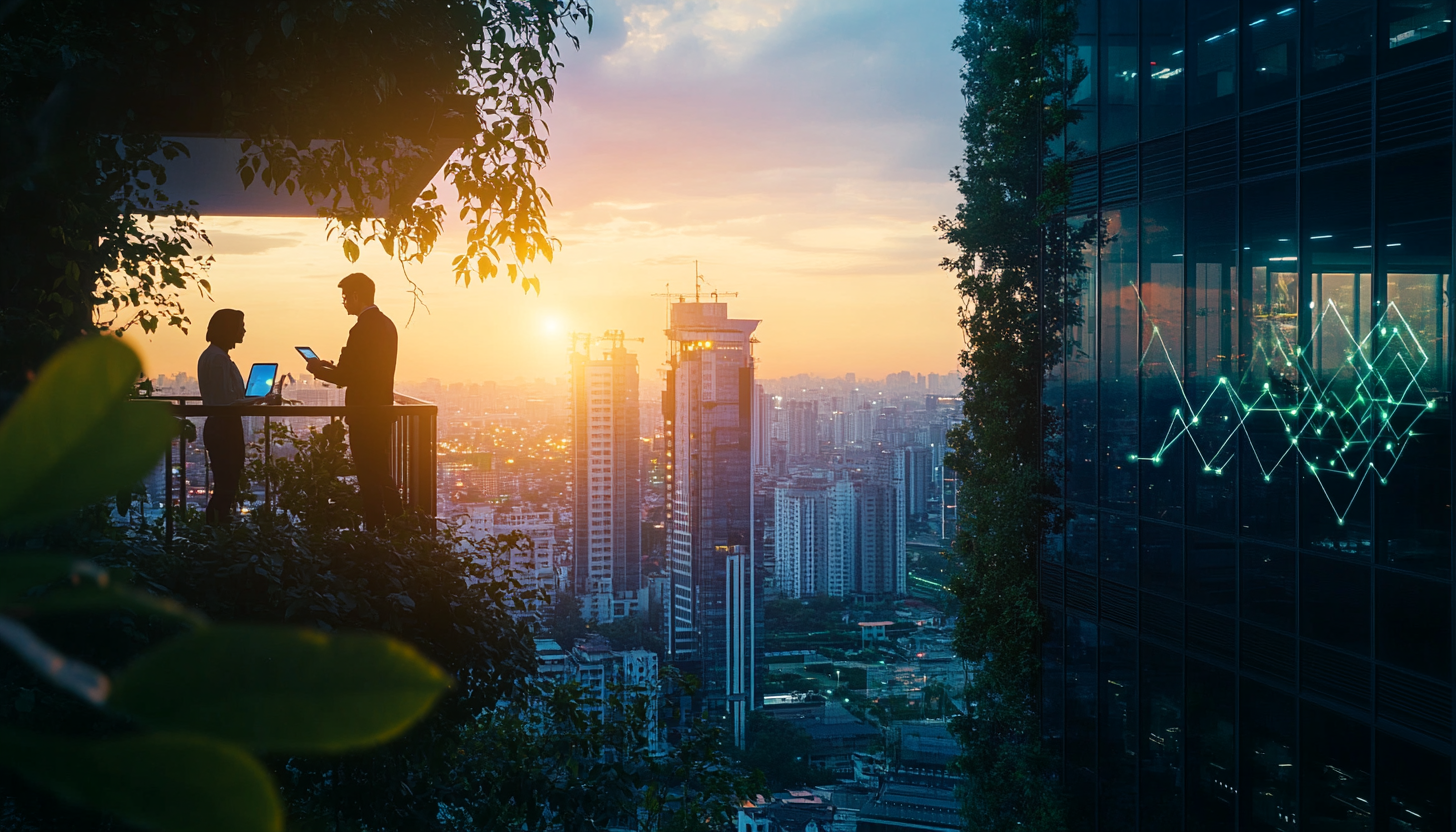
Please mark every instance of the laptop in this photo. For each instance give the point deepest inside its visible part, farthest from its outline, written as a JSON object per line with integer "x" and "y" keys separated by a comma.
{"x": 261, "y": 380}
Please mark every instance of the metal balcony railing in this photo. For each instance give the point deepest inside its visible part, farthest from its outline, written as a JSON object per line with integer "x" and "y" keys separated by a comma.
{"x": 412, "y": 455}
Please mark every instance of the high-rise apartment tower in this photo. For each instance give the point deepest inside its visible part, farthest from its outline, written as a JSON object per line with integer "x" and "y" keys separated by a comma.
{"x": 607, "y": 485}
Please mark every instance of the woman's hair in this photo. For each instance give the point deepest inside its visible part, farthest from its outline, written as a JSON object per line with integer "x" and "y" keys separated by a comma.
{"x": 226, "y": 325}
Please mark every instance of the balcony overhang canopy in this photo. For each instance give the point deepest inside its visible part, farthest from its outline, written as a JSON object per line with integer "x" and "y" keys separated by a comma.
{"x": 208, "y": 175}
{"x": 435, "y": 124}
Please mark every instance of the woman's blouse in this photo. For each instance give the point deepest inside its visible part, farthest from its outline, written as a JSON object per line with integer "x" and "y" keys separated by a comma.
{"x": 218, "y": 378}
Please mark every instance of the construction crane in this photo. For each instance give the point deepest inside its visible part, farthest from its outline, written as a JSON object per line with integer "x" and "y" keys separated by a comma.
{"x": 618, "y": 338}
{"x": 585, "y": 339}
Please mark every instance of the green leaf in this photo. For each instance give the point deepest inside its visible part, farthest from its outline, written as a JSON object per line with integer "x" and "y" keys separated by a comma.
{"x": 94, "y": 598}
{"x": 74, "y": 438}
{"x": 164, "y": 782}
{"x": 21, "y": 573}
{"x": 281, "y": 689}
{"x": 75, "y": 677}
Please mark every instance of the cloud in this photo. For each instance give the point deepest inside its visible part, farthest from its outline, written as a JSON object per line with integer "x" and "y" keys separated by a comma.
{"x": 228, "y": 242}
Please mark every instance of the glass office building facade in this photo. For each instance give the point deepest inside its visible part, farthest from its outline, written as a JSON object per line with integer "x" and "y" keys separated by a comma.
{"x": 1249, "y": 586}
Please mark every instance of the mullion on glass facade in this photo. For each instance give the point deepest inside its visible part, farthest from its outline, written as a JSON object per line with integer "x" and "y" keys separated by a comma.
{"x": 1256, "y": 628}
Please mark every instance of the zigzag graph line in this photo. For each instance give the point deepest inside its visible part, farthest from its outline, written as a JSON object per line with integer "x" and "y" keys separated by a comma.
{"x": 1354, "y": 423}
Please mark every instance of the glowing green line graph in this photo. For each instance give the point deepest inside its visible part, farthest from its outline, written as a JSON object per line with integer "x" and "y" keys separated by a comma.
{"x": 1348, "y": 402}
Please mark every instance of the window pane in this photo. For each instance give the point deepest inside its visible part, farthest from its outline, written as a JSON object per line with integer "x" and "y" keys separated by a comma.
{"x": 1212, "y": 572}
{"x": 1412, "y": 31}
{"x": 1163, "y": 52}
{"x": 1414, "y": 255}
{"x": 1082, "y": 540}
{"x": 1266, "y": 735}
{"x": 1412, "y": 787}
{"x": 1334, "y": 772}
{"x": 1213, "y": 28}
{"x": 1337, "y": 42}
{"x": 1271, "y": 32}
{"x": 1213, "y": 792}
{"x": 1119, "y": 72}
{"x": 1118, "y": 763}
{"x": 1334, "y": 603}
{"x": 1161, "y": 555}
{"x": 1163, "y": 407}
{"x": 1053, "y": 540}
{"x": 1266, "y": 585}
{"x": 1268, "y": 339}
{"x": 1081, "y": 723}
{"x": 1053, "y": 388}
{"x": 1413, "y": 623}
{"x": 1120, "y": 549}
{"x": 1082, "y": 135}
{"x": 1335, "y": 482}
{"x": 1162, "y": 739}
{"x": 1053, "y": 691}
{"x": 1081, "y": 347}
{"x": 1213, "y": 303}
{"x": 1118, "y": 351}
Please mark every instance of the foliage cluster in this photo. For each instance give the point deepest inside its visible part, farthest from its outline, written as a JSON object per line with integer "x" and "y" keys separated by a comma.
{"x": 341, "y": 101}
{"x": 501, "y": 748}
{"x": 780, "y": 750}
{"x": 122, "y": 696}
{"x": 1012, "y": 266}
{"x": 819, "y": 613}
{"x": 575, "y": 761}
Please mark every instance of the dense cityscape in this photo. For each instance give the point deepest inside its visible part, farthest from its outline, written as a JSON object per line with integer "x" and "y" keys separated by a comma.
{"x": 779, "y": 540}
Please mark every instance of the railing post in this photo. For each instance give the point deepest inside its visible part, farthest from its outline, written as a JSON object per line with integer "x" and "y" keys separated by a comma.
{"x": 167, "y": 503}
{"x": 268, "y": 463}
{"x": 182, "y": 471}
{"x": 431, "y": 459}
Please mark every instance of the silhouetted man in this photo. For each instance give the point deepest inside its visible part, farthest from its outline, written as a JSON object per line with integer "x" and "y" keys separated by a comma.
{"x": 366, "y": 372}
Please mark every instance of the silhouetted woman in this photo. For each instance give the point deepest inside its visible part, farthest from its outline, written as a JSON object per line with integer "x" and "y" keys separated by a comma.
{"x": 220, "y": 383}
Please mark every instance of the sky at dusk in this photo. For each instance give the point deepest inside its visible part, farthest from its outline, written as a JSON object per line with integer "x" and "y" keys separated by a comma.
{"x": 798, "y": 150}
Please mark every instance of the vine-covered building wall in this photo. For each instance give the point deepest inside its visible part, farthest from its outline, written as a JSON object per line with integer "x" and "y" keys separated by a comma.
{"x": 1248, "y": 585}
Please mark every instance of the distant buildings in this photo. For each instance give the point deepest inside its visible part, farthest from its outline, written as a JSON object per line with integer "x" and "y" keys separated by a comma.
{"x": 606, "y": 449}
{"x": 601, "y": 672}
{"x": 713, "y": 609}
{"x": 816, "y": 538}
{"x": 533, "y": 565}
{"x": 882, "y": 525}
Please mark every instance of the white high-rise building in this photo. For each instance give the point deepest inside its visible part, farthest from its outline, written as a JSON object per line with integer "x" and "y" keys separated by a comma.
{"x": 607, "y": 483}
{"x": 816, "y": 536}
{"x": 531, "y": 564}
{"x": 801, "y": 540}
{"x": 843, "y": 538}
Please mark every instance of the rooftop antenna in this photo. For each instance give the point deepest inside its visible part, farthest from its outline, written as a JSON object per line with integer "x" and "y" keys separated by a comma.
{"x": 699, "y": 280}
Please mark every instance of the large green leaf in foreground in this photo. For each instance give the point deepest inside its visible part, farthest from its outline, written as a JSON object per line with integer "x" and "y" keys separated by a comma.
{"x": 74, "y": 438}
{"x": 164, "y": 782}
{"x": 281, "y": 689}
